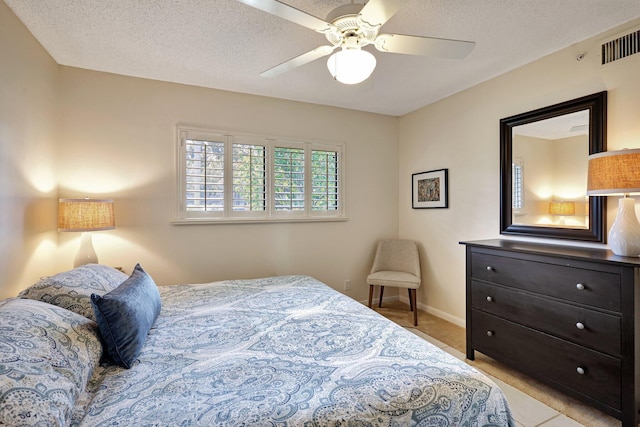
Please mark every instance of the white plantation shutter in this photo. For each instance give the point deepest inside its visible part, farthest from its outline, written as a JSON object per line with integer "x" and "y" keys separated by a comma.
{"x": 227, "y": 177}
{"x": 204, "y": 180}
{"x": 324, "y": 180}
{"x": 289, "y": 179}
{"x": 249, "y": 177}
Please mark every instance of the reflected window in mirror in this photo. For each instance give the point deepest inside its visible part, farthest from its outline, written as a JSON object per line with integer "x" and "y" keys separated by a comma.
{"x": 517, "y": 172}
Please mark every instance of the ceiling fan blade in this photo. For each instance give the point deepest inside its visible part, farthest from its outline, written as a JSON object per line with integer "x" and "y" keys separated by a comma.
{"x": 377, "y": 12}
{"x": 290, "y": 13}
{"x": 305, "y": 58}
{"x": 425, "y": 46}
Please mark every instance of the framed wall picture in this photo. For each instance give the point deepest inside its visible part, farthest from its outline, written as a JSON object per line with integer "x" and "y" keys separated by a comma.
{"x": 430, "y": 189}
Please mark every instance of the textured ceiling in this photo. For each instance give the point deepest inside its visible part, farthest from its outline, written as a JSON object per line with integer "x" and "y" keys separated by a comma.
{"x": 225, "y": 44}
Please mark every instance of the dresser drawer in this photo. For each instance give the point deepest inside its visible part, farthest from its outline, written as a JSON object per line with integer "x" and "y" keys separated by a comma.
{"x": 590, "y": 328}
{"x": 586, "y": 286}
{"x": 567, "y": 365}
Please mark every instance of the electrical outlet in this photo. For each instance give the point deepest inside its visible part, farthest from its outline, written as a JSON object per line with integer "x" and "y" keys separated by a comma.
{"x": 347, "y": 285}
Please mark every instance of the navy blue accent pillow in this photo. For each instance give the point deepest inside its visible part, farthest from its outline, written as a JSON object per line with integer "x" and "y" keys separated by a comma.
{"x": 126, "y": 314}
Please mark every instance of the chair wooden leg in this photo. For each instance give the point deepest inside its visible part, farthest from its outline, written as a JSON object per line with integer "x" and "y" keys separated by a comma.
{"x": 415, "y": 307}
{"x": 381, "y": 292}
{"x": 370, "y": 294}
{"x": 410, "y": 300}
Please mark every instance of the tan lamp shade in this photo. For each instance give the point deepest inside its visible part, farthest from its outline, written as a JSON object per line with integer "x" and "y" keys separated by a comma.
{"x": 562, "y": 208}
{"x": 614, "y": 172}
{"x": 85, "y": 215}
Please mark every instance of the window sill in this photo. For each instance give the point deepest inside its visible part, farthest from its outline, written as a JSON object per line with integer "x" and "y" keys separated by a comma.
{"x": 216, "y": 221}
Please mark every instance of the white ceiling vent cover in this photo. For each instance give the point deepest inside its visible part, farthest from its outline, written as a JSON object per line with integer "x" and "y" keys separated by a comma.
{"x": 621, "y": 47}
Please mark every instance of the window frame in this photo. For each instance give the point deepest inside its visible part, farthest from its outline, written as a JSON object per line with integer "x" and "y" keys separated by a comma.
{"x": 270, "y": 214}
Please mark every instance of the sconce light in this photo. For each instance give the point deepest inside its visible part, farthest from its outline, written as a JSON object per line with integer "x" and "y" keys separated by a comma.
{"x": 85, "y": 215}
{"x": 562, "y": 209}
{"x": 618, "y": 173}
{"x": 351, "y": 65}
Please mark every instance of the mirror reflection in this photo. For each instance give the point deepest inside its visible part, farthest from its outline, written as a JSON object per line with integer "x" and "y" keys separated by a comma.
{"x": 549, "y": 172}
{"x": 543, "y": 170}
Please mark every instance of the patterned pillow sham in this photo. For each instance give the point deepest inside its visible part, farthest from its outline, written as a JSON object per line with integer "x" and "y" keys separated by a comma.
{"x": 72, "y": 289}
{"x": 47, "y": 355}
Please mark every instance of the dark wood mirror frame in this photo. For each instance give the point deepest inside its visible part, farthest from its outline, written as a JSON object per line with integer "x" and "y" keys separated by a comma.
{"x": 597, "y": 106}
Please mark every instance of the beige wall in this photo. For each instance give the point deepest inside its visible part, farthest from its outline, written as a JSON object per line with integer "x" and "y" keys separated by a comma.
{"x": 67, "y": 132}
{"x": 28, "y": 119}
{"x": 462, "y": 133}
{"x": 117, "y": 139}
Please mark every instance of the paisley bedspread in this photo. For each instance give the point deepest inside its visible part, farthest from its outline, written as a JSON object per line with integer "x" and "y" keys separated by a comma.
{"x": 285, "y": 351}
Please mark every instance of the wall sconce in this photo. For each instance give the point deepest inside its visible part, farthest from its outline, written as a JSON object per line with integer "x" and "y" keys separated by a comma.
{"x": 618, "y": 173}
{"x": 351, "y": 65}
{"x": 85, "y": 215}
{"x": 562, "y": 209}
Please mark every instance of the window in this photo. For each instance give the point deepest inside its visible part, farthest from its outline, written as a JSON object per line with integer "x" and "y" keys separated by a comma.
{"x": 204, "y": 182}
{"x": 249, "y": 180}
{"x": 324, "y": 170}
{"x": 517, "y": 177}
{"x": 227, "y": 177}
{"x": 288, "y": 179}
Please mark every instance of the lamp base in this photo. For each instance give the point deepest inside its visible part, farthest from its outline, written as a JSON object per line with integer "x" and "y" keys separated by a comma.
{"x": 624, "y": 236}
{"x": 86, "y": 254}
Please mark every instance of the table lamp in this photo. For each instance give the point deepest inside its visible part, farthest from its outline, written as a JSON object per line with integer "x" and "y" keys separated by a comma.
{"x": 85, "y": 215}
{"x": 618, "y": 173}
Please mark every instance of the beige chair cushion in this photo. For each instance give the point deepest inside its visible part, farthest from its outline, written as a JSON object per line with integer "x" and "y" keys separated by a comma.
{"x": 397, "y": 255}
{"x": 394, "y": 278}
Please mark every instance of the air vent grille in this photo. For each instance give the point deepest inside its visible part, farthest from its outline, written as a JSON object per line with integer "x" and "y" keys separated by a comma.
{"x": 621, "y": 47}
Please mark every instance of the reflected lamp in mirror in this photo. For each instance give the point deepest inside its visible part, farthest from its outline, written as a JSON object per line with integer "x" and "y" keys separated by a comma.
{"x": 85, "y": 215}
{"x": 618, "y": 173}
{"x": 562, "y": 209}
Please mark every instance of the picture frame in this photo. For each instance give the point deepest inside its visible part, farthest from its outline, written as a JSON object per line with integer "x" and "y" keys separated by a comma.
{"x": 430, "y": 189}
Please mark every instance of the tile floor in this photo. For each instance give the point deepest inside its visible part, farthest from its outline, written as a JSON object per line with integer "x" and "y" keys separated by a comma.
{"x": 527, "y": 411}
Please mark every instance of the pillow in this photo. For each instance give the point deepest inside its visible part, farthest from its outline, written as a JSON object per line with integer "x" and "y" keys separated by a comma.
{"x": 72, "y": 289}
{"x": 125, "y": 316}
{"x": 47, "y": 355}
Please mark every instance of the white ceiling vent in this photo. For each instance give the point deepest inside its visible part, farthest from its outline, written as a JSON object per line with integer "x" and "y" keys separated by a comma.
{"x": 621, "y": 47}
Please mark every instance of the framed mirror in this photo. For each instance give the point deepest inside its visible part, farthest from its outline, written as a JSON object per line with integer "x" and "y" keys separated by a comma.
{"x": 543, "y": 170}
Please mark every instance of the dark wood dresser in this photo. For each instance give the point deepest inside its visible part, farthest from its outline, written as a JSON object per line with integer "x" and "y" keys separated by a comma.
{"x": 567, "y": 316}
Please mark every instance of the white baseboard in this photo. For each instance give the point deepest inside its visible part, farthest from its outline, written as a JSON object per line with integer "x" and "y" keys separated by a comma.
{"x": 375, "y": 301}
{"x": 438, "y": 313}
{"x": 443, "y": 315}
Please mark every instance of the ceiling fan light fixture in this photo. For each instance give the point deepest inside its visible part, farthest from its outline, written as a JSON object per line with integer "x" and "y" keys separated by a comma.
{"x": 351, "y": 65}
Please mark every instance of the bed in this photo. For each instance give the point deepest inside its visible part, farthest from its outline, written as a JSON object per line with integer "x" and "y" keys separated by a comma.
{"x": 279, "y": 351}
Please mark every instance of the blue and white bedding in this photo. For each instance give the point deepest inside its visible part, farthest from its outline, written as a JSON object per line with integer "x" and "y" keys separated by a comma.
{"x": 281, "y": 351}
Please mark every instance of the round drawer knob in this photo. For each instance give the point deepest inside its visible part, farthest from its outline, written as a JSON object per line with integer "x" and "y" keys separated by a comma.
{"x": 489, "y": 299}
{"x": 580, "y": 286}
{"x": 489, "y": 268}
{"x": 580, "y": 325}
{"x": 489, "y": 333}
{"x": 580, "y": 370}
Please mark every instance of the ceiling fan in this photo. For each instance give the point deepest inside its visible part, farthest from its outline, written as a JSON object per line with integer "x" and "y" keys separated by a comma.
{"x": 351, "y": 27}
